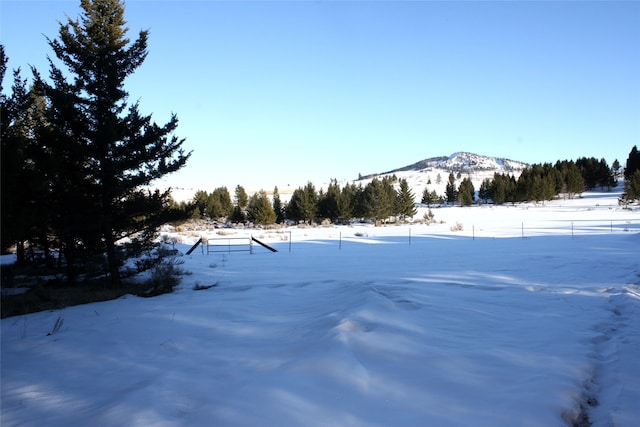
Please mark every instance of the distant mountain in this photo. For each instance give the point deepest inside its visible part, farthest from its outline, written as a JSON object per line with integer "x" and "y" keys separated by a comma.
{"x": 462, "y": 162}
{"x": 466, "y": 162}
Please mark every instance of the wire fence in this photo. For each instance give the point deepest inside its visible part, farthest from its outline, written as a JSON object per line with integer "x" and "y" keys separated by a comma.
{"x": 227, "y": 244}
{"x": 409, "y": 233}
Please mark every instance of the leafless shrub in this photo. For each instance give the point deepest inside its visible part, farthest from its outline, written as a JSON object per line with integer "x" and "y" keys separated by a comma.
{"x": 457, "y": 227}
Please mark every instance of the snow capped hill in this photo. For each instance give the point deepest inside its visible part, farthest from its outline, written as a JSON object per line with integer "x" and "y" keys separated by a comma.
{"x": 466, "y": 162}
{"x": 475, "y": 162}
{"x": 433, "y": 173}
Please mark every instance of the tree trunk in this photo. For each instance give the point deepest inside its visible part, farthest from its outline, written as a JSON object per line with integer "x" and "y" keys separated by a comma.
{"x": 20, "y": 252}
{"x": 69, "y": 254}
{"x": 112, "y": 254}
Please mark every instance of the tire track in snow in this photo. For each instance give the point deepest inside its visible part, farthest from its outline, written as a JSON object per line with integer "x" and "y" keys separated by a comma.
{"x": 606, "y": 356}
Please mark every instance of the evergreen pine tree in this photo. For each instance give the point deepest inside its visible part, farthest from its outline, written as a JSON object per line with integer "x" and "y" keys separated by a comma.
{"x": 115, "y": 150}
{"x": 374, "y": 201}
{"x": 511, "y": 188}
{"x": 429, "y": 197}
{"x": 238, "y": 215}
{"x": 303, "y": 205}
{"x": 484, "y": 193}
{"x": 260, "y": 210}
{"x": 549, "y": 191}
{"x": 523, "y": 185}
{"x": 406, "y": 200}
{"x": 219, "y": 204}
{"x": 615, "y": 166}
{"x": 200, "y": 201}
{"x": 380, "y": 198}
{"x": 498, "y": 189}
{"x": 466, "y": 192}
{"x": 632, "y": 188}
{"x": 606, "y": 176}
{"x": 328, "y": 202}
{"x": 633, "y": 163}
{"x": 451, "y": 192}
{"x": 574, "y": 184}
{"x": 26, "y": 214}
{"x": 278, "y": 208}
{"x": 590, "y": 170}
{"x": 241, "y": 198}
{"x": 347, "y": 202}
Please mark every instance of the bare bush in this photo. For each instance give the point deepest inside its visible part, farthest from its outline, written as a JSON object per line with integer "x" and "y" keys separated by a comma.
{"x": 429, "y": 217}
{"x": 165, "y": 274}
{"x": 457, "y": 227}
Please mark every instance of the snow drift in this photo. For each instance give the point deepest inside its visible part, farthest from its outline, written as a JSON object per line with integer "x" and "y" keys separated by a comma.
{"x": 359, "y": 326}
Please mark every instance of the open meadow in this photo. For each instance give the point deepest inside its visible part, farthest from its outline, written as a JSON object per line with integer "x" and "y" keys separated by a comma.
{"x": 525, "y": 315}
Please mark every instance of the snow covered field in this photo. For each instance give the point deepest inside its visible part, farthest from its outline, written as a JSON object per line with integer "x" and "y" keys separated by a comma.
{"x": 492, "y": 316}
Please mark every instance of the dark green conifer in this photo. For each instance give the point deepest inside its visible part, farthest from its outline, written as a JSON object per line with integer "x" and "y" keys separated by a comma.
{"x": 260, "y": 210}
{"x": 466, "y": 192}
{"x": 115, "y": 152}
{"x": 406, "y": 200}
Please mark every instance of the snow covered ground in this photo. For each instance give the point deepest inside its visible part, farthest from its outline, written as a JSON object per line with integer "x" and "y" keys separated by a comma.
{"x": 492, "y": 316}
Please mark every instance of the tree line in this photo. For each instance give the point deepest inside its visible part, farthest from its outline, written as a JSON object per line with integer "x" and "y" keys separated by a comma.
{"x": 78, "y": 160}
{"x": 391, "y": 199}
{"x": 378, "y": 201}
{"x": 541, "y": 182}
{"x": 631, "y": 178}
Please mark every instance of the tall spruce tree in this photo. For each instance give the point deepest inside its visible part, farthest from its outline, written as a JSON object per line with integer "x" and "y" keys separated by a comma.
{"x": 26, "y": 208}
{"x": 574, "y": 183}
{"x": 16, "y": 139}
{"x": 260, "y": 210}
{"x": 633, "y": 163}
{"x": 303, "y": 205}
{"x": 219, "y": 204}
{"x": 430, "y": 197}
{"x": 466, "y": 192}
{"x": 348, "y": 202}
{"x": 450, "y": 190}
{"x": 113, "y": 151}
{"x": 615, "y": 169}
{"x": 380, "y": 199}
{"x": 328, "y": 202}
{"x": 498, "y": 188}
{"x": 240, "y": 197}
{"x": 406, "y": 200}
{"x": 631, "y": 188}
{"x": 484, "y": 193}
{"x": 278, "y": 207}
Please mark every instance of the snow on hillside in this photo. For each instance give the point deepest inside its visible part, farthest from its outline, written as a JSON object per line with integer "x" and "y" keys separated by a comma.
{"x": 435, "y": 170}
{"x": 524, "y": 316}
{"x": 473, "y": 162}
{"x": 433, "y": 173}
{"x": 467, "y": 162}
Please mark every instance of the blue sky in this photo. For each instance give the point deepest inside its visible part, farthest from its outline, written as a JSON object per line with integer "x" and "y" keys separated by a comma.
{"x": 281, "y": 93}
